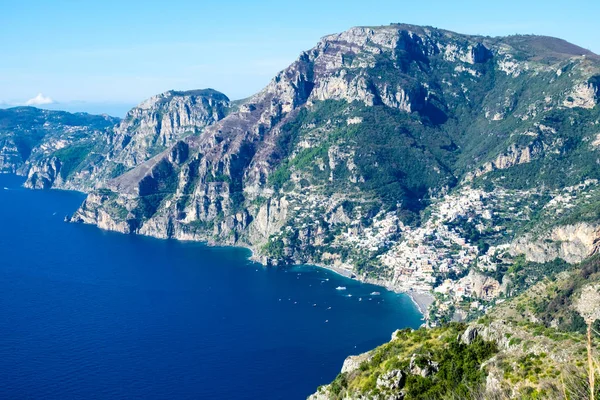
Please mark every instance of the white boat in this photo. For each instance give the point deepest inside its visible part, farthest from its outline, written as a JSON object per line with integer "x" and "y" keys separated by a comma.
{"x": 375, "y": 293}
{"x": 340, "y": 288}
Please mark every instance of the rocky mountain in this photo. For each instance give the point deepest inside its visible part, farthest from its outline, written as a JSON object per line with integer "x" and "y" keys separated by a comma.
{"x": 465, "y": 168}
{"x": 408, "y": 156}
{"x": 81, "y": 151}
{"x": 161, "y": 121}
{"x": 146, "y": 130}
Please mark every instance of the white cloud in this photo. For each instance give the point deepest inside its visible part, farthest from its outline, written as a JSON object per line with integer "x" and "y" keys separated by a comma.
{"x": 39, "y": 100}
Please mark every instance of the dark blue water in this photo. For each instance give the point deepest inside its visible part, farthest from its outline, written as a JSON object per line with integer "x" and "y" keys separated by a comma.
{"x": 91, "y": 314}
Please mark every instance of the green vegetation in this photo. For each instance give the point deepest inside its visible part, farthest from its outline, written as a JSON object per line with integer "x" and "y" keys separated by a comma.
{"x": 524, "y": 273}
{"x": 454, "y": 367}
{"x": 71, "y": 157}
{"x": 388, "y": 152}
{"x": 459, "y": 371}
{"x": 279, "y": 177}
{"x": 218, "y": 178}
{"x": 274, "y": 248}
{"x": 201, "y": 226}
{"x": 27, "y": 128}
{"x": 556, "y": 304}
{"x": 118, "y": 170}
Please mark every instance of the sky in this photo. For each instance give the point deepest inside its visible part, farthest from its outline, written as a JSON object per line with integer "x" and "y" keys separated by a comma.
{"x": 106, "y": 56}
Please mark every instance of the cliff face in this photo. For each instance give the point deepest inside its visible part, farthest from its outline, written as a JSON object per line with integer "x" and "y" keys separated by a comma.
{"x": 572, "y": 243}
{"x": 411, "y": 157}
{"x": 162, "y": 120}
{"x": 87, "y": 161}
{"x": 401, "y": 154}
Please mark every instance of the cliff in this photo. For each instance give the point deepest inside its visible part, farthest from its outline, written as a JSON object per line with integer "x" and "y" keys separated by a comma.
{"x": 30, "y": 136}
{"x": 147, "y": 130}
{"x": 412, "y": 157}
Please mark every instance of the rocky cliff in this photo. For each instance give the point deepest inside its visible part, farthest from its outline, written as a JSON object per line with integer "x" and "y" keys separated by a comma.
{"x": 159, "y": 122}
{"x": 411, "y": 157}
{"x": 79, "y": 151}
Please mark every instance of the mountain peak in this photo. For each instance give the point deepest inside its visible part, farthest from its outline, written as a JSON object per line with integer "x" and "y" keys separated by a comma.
{"x": 170, "y": 94}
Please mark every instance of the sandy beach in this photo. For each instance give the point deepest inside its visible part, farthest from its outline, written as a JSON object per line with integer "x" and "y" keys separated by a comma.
{"x": 421, "y": 300}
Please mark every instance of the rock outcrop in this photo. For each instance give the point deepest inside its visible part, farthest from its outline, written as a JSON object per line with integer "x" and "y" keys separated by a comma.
{"x": 406, "y": 156}
{"x": 161, "y": 121}
{"x": 45, "y": 174}
{"x": 511, "y": 157}
{"x": 584, "y": 95}
{"x": 572, "y": 243}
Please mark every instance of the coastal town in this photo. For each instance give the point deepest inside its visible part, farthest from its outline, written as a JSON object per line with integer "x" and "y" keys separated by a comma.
{"x": 448, "y": 264}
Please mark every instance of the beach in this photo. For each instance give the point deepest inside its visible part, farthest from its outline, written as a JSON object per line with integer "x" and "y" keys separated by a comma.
{"x": 421, "y": 300}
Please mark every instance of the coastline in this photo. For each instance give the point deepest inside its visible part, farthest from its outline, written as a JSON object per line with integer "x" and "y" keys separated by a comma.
{"x": 421, "y": 300}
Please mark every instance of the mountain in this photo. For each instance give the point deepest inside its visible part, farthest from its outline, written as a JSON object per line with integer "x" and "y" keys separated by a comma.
{"x": 29, "y": 135}
{"x": 460, "y": 168}
{"x": 412, "y": 157}
{"x": 81, "y": 151}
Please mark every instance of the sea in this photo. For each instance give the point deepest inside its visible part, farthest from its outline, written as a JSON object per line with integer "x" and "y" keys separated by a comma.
{"x": 90, "y": 314}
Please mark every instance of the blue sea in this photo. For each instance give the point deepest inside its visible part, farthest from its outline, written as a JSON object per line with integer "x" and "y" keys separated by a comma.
{"x": 89, "y": 314}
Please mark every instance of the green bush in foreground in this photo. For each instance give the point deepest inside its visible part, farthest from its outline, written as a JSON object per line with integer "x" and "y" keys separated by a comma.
{"x": 458, "y": 365}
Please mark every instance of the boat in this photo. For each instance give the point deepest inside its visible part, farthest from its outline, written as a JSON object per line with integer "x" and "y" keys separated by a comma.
{"x": 375, "y": 293}
{"x": 340, "y": 288}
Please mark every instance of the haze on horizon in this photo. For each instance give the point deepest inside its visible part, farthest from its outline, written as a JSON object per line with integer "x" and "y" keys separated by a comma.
{"x": 106, "y": 57}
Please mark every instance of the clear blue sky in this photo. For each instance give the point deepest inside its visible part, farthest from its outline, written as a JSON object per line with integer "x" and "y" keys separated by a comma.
{"x": 111, "y": 53}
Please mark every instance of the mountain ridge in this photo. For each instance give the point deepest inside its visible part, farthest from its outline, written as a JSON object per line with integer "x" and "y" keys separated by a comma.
{"x": 458, "y": 166}
{"x": 320, "y": 75}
